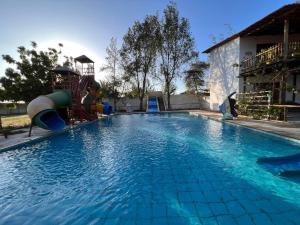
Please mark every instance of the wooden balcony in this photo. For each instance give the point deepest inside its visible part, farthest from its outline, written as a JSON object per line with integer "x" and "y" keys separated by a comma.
{"x": 85, "y": 71}
{"x": 269, "y": 57}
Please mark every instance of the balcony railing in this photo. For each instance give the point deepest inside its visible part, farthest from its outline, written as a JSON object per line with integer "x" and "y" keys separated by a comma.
{"x": 269, "y": 56}
{"x": 85, "y": 71}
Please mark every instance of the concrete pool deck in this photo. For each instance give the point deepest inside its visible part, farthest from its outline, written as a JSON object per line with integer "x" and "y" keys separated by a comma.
{"x": 37, "y": 133}
{"x": 286, "y": 129}
{"x": 20, "y": 138}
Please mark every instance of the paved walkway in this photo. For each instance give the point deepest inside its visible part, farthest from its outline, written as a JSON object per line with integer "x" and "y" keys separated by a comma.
{"x": 37, "y": 133}
{"x": 20, "y": 138}
{"x": 287, "y": 129}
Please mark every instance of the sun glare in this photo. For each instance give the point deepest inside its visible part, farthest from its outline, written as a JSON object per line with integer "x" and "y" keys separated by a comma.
{"x": 74, "y": 49}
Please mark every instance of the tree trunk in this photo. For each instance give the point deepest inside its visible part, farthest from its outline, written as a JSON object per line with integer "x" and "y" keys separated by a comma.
{"x": 115, "y": 104}
{"x": 169, "y": 103}
{"x": 141, "y": 103}
{"x": 168, "y": 95}
{"x": 282, "y": 88}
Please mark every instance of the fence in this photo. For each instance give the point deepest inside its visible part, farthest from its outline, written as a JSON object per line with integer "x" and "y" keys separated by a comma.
{"x": 258, "y": 105}
{"x": 12, "y": 108}
{"x": 271, "y": 55}
{"x": 178, "y": 102}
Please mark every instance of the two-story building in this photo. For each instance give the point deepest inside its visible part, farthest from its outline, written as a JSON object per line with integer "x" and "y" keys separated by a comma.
{"x": 263, "y": 57}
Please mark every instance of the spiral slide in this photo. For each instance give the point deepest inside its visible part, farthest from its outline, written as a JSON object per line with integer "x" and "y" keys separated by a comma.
{"x": 43, "y": 110}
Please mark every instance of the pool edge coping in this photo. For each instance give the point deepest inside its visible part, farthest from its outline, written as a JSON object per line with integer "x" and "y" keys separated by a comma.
{"x": 71, "y": 127}
{"x": 68, "y": 128}
{"x": 45, "y": 136}
{"x": 248, "y": 127}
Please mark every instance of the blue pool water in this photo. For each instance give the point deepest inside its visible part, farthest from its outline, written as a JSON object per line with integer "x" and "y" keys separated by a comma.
{"x": 149, "y": 169}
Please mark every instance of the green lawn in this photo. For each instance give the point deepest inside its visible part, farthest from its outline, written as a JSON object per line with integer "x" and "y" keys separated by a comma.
{"x": 15, "y": 121}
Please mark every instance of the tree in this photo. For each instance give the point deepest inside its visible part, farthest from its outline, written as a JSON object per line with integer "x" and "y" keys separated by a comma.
{"x": 194, "y": 77}
{"x": 69, "y": 62}
{"x": 29, "y": 76}
{"x": 106, "y": 89}
{"x": 139, "y": 53}
{"x": 171, "y": 88}
{"x": 176, "y": 46}
{"x": 111, "y": 66}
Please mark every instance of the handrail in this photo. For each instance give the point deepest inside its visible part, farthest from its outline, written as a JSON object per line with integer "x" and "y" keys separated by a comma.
{"x": 157, "y": 104}
{"x": 270, "y": 55}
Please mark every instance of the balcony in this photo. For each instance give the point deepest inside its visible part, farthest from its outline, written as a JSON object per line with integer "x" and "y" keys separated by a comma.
{"x": 270, "y": 57}
{"x": 86, "y": 71}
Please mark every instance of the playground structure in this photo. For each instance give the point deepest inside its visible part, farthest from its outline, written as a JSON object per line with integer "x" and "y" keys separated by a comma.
{"x": 75, "y": 97}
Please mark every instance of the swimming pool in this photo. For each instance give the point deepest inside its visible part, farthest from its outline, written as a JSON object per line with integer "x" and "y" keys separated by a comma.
{"x": 148, "y": 169}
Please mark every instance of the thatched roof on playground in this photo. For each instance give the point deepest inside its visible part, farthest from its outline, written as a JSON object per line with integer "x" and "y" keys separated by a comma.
{"x": 83, "y": 59}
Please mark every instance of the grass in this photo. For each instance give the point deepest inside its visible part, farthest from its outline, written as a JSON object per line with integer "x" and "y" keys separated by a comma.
{"x": 15, "y": 121}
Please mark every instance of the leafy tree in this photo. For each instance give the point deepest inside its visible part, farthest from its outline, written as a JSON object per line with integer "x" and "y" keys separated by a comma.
{"x": 69, "y": 62}
{"x": 139, "y": 53}
{"x": 176, "y": 46}
{"x": 111, "y": 66}
{"x": 107, "y": 89}
{"x": 194, "y": 77}
{"x": 172, "y": 88}
{"x": 132, "y": 93}
{"x": 30, "y": 75}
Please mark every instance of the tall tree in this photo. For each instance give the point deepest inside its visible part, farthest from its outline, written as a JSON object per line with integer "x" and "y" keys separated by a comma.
{"x": 30, "y": 75}
{"x": 106, "y": 89}
{"x": 194, "y": 77}
{"x": 112, "y": 67}
{"x": 139, "y": 53}
{"x": 176, "y": 46}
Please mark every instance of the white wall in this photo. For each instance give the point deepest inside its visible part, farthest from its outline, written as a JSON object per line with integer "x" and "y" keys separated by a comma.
{"x": 188, "y": 102}
{"x": 127, "y": 104}
{"x": 177, "y": 102}
{"x": 223, "y": 76}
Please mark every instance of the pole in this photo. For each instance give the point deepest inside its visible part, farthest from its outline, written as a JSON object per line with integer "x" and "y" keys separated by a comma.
{"x": 285, "y": 56}
{"x": 30, "y": 129}
{"x": 286, "y": 39}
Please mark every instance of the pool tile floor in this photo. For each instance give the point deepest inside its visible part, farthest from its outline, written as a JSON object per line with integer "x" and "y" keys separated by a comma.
{"x": 202, "y": 197}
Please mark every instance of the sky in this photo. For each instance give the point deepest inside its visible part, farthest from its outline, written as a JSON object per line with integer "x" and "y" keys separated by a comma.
{"x": 86, "y": 27}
